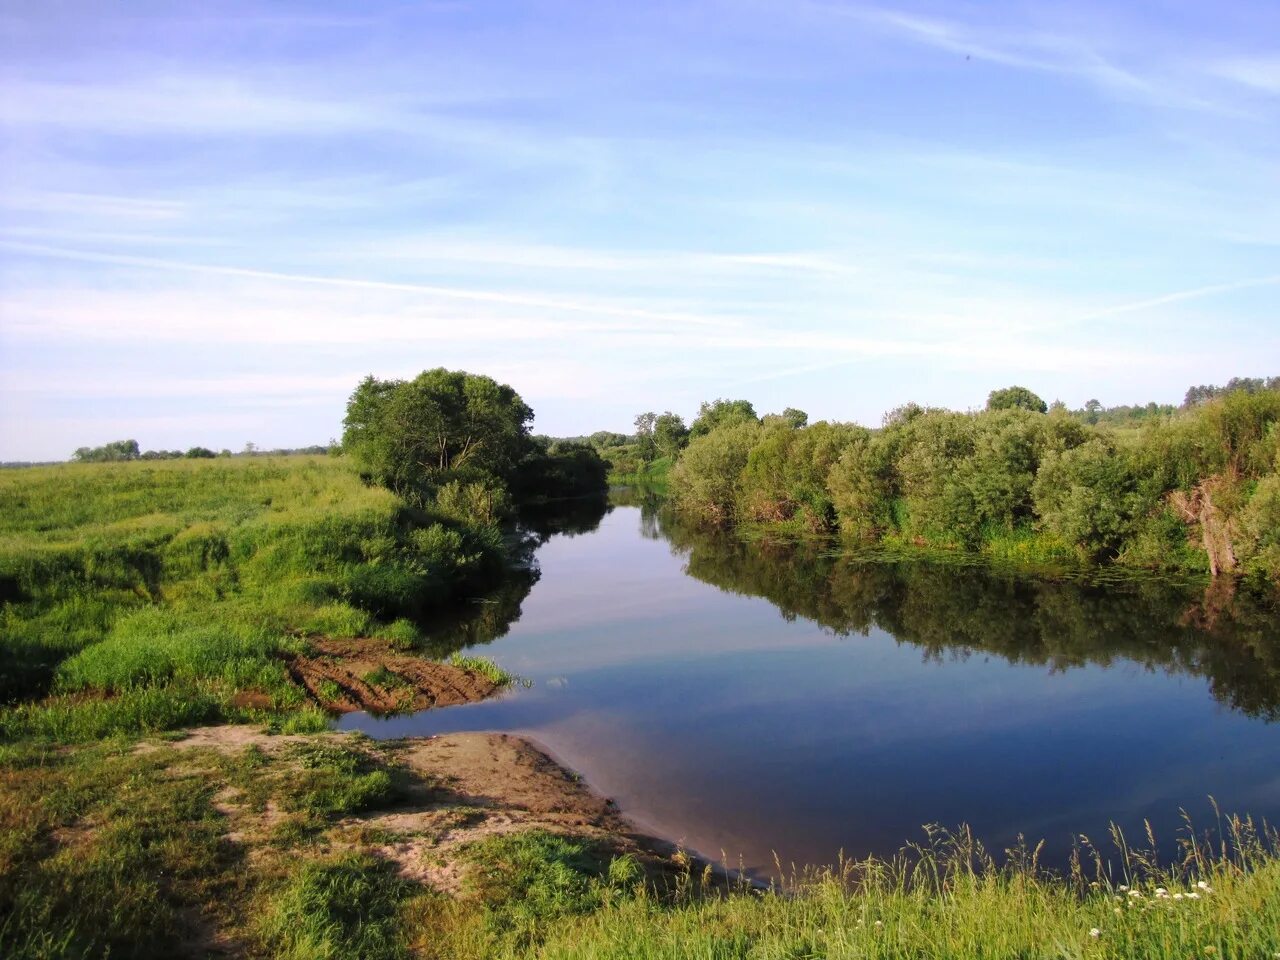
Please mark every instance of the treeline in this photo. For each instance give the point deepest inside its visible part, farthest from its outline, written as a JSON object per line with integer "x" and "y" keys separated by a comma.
{"x": 123, "y": 451}
{"x": 120, "y": 451}
{"x": 1195, "y": 490}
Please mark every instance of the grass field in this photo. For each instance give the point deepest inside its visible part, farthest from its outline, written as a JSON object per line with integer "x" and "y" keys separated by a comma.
{"x": 139, "y": 598}
{"x": 149, "y": 596}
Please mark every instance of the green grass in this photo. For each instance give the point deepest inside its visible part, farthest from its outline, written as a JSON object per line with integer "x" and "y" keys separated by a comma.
{"x": 951, "y": 901}
{"x": 346, "y": 906}
{"x": 103, "y": 851}
{"x": 485, "y": 667}
{"x": 145, "y": 596}
{"x": 338, "y": 780}
{"x": 629, "y": 471}
{"x": 527, "y": 881}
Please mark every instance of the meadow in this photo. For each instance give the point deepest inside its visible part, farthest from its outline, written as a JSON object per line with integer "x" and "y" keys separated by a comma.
{"x": 149, "y": 596}
{"x": 141, "y": 599}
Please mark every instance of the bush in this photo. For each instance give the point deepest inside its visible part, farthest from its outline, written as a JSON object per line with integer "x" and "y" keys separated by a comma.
{"x": 707, "y": 481}
{"x": 1089, "y": 496}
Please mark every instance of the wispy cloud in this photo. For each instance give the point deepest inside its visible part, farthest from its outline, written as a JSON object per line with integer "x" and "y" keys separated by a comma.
{"x": 1000, "y": 40}
{"x": 454, "y": 293}
{"x": 1260, "y": 73}
{"x": 1180, "y": 296}
{"x": 836, "y": 205}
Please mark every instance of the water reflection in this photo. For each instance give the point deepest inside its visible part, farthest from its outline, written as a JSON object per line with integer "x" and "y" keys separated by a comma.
{"x": 481, "y": 620}
{"x": 954, "y": 611}
{"x": 765, "y": 696}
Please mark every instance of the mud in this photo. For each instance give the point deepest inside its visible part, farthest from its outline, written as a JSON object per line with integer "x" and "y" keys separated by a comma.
{"x": 371, "y": 675}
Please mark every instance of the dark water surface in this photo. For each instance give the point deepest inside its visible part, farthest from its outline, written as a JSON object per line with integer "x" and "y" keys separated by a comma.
{"x": 752, "y": 698}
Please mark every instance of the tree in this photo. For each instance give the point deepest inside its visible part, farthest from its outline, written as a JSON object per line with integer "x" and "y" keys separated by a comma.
{"x": 604, "y": 439}
{"x": 1092, "y": 408}
{"x": 109, "y": 452}
{"x": 1089, "y": 496}
{"x": 670, "y": 434}
{"x": 1015, "y": 397}
{"x": 718, "y": 413}
{"x": 902, "y": 415}
{"x": 645, "y": 423}
{"x": 797, "y": 418}
{"x": 200, "y": 453}
{"x": 442, "y": 425}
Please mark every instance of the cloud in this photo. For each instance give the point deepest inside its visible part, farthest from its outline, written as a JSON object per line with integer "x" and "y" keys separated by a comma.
{"x": 1259, "y": 73}
{"x": 1179, "y": 296}
{"x": 1044, "y": 51}
{"x": 596, "y": 308}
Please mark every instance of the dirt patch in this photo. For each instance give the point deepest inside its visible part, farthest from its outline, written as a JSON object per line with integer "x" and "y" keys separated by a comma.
{"x": 487, "y": 784}
{"x": 251, "y": 700}
{"x": 348, "y": 675}
{"x": 464, "y": 787}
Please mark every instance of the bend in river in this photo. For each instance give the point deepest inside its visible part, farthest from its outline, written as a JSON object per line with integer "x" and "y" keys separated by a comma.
{"x": 753, "y": 698}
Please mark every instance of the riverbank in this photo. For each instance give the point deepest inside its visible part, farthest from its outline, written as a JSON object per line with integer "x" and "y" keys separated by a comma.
{"x": 228, "y": 841}
{"x": 142, "y": 596}
{"x": 129, "y": 825}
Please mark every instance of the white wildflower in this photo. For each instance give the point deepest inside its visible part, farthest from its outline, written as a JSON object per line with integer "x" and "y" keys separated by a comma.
{"x": 1161, "y": 890}
{"x": 1095, "y": 933}
{"x": 1202, "y": 885}
{"x": 1177, "y": 896}
{"x": 1193, "y": 895}
{"x": 1123, "y": 886}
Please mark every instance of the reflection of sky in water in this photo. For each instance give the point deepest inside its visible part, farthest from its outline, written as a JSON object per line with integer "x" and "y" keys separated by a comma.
{"x": 715, "y": 721}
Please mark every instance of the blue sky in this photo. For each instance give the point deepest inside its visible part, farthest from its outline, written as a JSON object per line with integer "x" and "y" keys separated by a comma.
{"x": 216, "y": 218}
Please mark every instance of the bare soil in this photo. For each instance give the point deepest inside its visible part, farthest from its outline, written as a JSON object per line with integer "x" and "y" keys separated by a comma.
{"x": 372, "y": 675}
{"x": 465, "y": 787}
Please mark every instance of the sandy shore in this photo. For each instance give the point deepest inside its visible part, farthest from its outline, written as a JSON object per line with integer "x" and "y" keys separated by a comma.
{"x": 463, "y": 787}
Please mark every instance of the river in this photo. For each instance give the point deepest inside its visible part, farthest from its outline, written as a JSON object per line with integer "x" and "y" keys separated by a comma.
{"x": 758, "y": 699}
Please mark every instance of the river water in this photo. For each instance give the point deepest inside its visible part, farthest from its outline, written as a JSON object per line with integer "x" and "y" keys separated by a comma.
{"x": 754, "y": 700}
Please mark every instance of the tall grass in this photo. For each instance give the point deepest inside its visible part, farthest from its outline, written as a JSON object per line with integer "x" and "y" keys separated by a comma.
{"x": 952, "y": 900}
{"x": 124, "y": 580}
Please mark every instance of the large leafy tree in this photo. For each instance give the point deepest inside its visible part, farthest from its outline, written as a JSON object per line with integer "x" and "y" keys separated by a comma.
{"x": 441, "y": 425}
{"x": 719, "y": 413}
{"x": 1011, "y": 398}
{"x": 646, "y": 446}
{"x": 670, "y": 434}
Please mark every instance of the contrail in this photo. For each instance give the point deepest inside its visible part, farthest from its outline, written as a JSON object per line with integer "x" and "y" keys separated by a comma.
{"x": 1180, "y": 295}
{"x": 456, "y": 293}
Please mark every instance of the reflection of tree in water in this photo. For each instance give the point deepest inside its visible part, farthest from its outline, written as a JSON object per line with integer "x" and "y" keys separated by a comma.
{"x": 650, "y": 503}
{"x": 481, "y": 620}
{"x": 564, "y": 518}
{"x": 955, "y": 611}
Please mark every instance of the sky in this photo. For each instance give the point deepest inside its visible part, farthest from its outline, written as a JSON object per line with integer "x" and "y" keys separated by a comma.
{"x": 217, "y": 217}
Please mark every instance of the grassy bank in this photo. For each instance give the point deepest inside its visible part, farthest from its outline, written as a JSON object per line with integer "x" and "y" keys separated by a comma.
{"x": 953, "y": 904}
{"x": 148, "y": 596}
{"x": 630, "y": 472}
{"x": 335, "y": 846}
